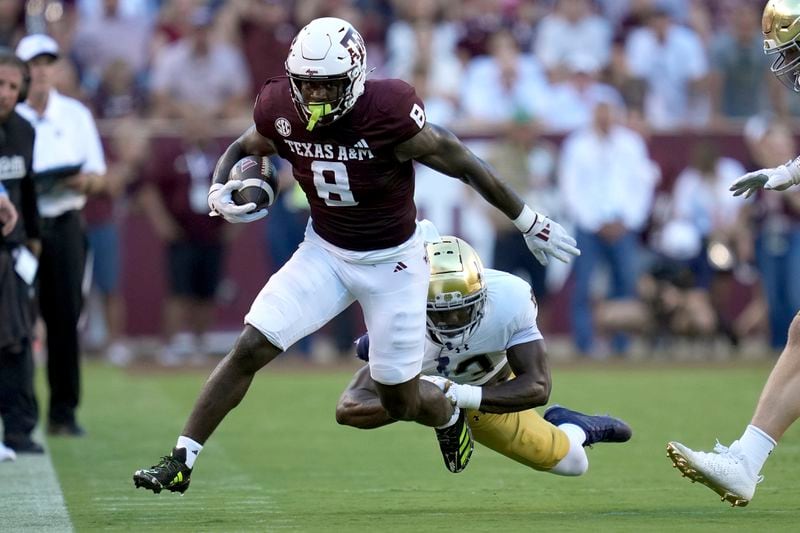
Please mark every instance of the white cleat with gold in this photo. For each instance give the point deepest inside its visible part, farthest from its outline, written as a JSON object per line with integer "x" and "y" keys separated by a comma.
{"x": 724, "y": 471}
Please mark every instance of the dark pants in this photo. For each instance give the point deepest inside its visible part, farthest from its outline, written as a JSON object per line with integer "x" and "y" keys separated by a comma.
{"x": 18, "y": 406}
{"x": 61, "y": 270}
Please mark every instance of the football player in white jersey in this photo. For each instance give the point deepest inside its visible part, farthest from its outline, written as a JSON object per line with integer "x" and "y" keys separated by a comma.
{"x": 734, "y": 471}
{"x": 484, "y": 349}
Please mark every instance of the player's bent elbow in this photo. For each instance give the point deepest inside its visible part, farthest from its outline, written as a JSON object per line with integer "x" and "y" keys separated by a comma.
{"x": 540, "y": 392}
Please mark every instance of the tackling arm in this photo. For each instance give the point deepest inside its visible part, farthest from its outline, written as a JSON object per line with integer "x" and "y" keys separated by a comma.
{"x": 359, "y": 405}
{"x": 529, "y": 388}
{"x": 442, "y": 151}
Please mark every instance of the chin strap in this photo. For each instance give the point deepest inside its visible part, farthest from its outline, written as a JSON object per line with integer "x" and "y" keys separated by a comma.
{"x": 317, "y": 112}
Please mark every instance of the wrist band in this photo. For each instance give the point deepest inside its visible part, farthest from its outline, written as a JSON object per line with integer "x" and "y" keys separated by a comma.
{"x": 469, "y": 396}
{"x": 526, "y": 219}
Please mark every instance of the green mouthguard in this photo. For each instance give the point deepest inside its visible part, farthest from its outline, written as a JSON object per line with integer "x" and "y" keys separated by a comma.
{"x": 317, "y": 112}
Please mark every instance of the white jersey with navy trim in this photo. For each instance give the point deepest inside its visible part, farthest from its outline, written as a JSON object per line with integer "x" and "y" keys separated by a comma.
{"x": 509, "y": 319}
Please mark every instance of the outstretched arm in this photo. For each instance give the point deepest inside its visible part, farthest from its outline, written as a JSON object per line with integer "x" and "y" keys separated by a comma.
{"x": 442, "y": 151}
{"x": 777, "y": 179}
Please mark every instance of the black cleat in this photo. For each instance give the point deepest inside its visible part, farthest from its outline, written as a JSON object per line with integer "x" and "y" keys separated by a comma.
{"x": 170, "y": 473}
{"x": 598, "y": 428}
{"x": 456, "y": 444}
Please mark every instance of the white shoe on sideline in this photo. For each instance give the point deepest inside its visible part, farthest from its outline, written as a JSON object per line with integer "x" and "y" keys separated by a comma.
{"x": 725, "y": 471}
{"x": 7, "y": 454}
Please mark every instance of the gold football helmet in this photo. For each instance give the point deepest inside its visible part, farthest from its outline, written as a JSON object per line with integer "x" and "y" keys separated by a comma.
{"x": 781, "y": 26}
{"x": 456, "y": 293}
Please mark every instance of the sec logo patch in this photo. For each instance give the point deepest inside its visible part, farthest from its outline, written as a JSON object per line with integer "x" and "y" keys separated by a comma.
{"x": 283, "y": 127}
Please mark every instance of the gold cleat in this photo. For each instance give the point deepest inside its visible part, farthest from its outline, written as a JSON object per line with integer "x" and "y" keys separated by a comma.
{"x": 683, "y": 465}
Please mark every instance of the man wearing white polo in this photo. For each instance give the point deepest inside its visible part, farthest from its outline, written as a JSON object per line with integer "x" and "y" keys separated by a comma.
{"x": 68, "y": 164}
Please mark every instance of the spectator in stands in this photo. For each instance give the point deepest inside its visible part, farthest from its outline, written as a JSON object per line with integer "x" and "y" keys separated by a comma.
{"x": 128, "y": 152}
{"x": 108, "y": 38}
{"x": 632, "y": 89}
{"x": 556, "y": 38}
{"x": 173, "y": 196}
{"x": 529, "y": 161}
{"x": 255, "y": 26}
{"x": 740, "y": 70}
{"x": 570, "y": 102}
{"x": 118, "y": 95}
{"x": 421, "y": 39}
{"x": 12, "y": 22}
{"x": 69, "y": 164}
{"x": 499, "y": 86}
{"x": 607, "y": 181}
{"x": 672, "y": 61}
{"x": 199, "y": 72}
{"x": 668, "y": 300}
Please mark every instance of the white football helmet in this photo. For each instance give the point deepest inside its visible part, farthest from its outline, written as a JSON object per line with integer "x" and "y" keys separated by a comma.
{"x": 327, "y": 50}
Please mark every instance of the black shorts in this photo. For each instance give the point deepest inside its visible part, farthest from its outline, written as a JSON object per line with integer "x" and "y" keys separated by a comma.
{"x": 194, "y": 269}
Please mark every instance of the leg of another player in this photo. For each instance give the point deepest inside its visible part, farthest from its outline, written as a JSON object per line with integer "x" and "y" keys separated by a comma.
{"x": 779, "y": 404}
{"x": 225, "y": 388}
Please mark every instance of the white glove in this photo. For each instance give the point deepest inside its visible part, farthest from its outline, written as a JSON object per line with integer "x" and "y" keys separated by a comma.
{"x": 221, "y": 204}
{"x": 545, "y": 237}
{"x": 778, "y": 179}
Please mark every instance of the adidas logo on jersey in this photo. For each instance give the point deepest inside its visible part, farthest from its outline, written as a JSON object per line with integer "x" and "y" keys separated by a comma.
{"x": 400, "y": 266}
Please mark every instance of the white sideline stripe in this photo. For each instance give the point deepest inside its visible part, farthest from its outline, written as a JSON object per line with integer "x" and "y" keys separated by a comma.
{"x": 30, "y": 495}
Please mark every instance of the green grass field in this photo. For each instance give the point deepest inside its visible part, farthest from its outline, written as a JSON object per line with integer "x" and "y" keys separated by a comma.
{"x": 280, "y": 461}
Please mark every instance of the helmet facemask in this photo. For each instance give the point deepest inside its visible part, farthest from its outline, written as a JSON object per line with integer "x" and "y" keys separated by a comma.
{"x": 452, "y": 318}
{"x": 327, "y": 52}
{"x": 786, "y": 65}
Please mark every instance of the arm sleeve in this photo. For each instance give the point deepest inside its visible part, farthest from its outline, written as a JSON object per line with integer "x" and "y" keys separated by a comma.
{"x": 3, "y": 189}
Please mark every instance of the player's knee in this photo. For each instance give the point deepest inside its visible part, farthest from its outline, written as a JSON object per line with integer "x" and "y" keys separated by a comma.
{"x": 252, "y": 350}
{"x": 345, "y": 412}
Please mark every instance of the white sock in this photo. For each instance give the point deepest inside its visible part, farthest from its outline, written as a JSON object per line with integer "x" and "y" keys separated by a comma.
{"x": 575, "y": 463}
{"x": 452, "y": 420}
{"x": 192, "y": 449}
{"x": 756, "y": 446}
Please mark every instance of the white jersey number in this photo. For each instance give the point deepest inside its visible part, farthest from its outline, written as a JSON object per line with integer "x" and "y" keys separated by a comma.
{"x": 418, "y": 115}
{"x": 338, "y": 193}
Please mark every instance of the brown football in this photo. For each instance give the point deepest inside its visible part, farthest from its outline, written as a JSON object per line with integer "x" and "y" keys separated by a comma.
{"x": 260, "y": 181}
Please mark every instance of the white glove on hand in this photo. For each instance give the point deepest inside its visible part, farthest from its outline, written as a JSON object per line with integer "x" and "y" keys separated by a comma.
{"x": 545, "y": 237}
{"x": 466, "y": 396}
{"x": 778, "y": 179}
{"x": 221, "y": 204}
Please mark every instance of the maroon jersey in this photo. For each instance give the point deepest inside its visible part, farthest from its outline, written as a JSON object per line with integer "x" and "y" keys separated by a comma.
{"x": 361, "y": 196}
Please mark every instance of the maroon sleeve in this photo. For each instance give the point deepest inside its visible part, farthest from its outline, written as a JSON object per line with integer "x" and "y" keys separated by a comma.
{"x": 264, "y": 108}
{"x": 397, "y": 113}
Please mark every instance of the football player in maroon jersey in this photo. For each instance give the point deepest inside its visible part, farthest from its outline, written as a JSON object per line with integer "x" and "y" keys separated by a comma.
{"x": 351, "y": 144}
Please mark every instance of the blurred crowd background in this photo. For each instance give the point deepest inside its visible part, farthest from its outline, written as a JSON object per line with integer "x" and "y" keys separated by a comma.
{"x": 625, "y": 120}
